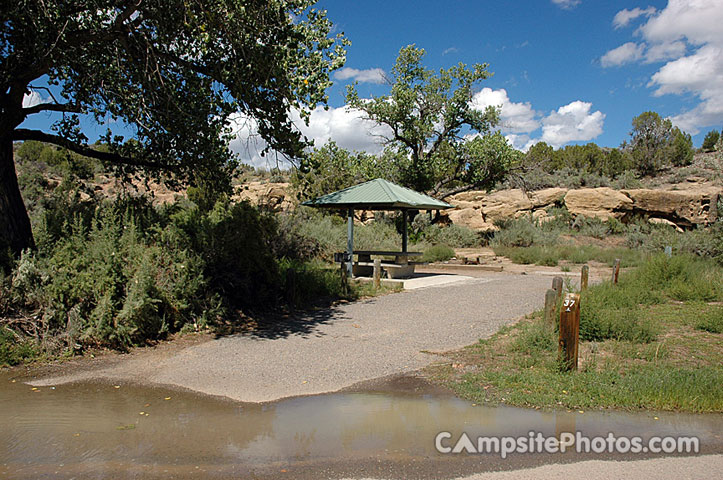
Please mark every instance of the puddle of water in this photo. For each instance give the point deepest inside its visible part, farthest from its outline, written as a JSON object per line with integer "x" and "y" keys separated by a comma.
{"x": 99, "y": 431}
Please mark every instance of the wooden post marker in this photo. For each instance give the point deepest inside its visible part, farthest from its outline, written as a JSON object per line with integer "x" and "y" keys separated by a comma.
{"x": 550, "y": 306}
{"x": 377, "y": 273}
{"x": 583, "y": 277}
{"x": 344, "y": 278}
{"x": 557, "y": 286}
{"x": 569, "y": 331}
{"x": 616, "y": 271}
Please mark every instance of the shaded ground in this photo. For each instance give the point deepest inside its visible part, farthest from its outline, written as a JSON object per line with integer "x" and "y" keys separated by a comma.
{"x": 329, "y": 349}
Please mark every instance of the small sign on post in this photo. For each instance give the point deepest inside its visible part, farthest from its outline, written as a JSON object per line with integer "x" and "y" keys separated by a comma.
{"x": 668, "y": 251}
{"x": 569, "y": 331}
{"x": 583, "y": 277}
{"x": 616, "y": 271}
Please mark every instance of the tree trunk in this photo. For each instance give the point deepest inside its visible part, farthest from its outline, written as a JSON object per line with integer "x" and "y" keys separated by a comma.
{"x": 15, "y": 231}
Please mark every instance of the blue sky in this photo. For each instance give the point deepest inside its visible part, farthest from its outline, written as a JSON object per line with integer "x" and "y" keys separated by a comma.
{"x": 565, "y": 71}
{"x": 571, "y": 71}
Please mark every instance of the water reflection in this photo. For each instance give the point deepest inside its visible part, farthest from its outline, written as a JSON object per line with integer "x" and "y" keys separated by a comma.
{"x": 97, "y": 431}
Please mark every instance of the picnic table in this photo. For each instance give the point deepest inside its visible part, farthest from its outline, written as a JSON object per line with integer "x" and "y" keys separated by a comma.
{"x": 400, "y": 267}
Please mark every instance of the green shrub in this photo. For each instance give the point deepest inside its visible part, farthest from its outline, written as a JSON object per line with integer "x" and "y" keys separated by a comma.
{"x": 328, "y": 232}
{"x": 626, "y": 180}
{"x": 553, "y": 254}
{"x": 592, "y": 227}
{"x": 681, "y": 277}
{"x": 124, "y": 272}
{"x": 234, "y": 243}
{"x": 124, "y": 286}
{"x": 711, "y": 321}
{"x": 522, "y": 232}
{"x": 437, "y": 253}
{"x": 312, "y": 281}
{"x": 14, "y": 349}
{"x": 710, "y": 140}
{"x": 453, "y": 235}
{"x": 522, "y": 256}
{"x": 705, "y": 242}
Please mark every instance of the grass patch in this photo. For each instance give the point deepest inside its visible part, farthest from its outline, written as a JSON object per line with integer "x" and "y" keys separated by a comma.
{"x": 641, "y": 348}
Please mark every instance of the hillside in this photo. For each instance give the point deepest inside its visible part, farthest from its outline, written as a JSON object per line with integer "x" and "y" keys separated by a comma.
{"x": 682, "y": 197}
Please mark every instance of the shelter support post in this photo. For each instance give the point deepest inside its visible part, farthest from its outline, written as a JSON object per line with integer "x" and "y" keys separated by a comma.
{"x": 350, "y": 241}
{"x": 404, "y": 231}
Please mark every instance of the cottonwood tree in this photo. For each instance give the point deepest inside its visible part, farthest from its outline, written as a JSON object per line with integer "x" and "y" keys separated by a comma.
{"x": 172, "y": 73}
{"x": 431, "y": 119}
{"x": 335, "y": 168}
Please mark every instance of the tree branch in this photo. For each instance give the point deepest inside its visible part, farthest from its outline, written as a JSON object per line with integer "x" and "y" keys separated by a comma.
{"x": 51, "y": 107}
{"x": 120, "y": 23}
{"x": 455, "y": 191}
{"x": 114, "y": 158}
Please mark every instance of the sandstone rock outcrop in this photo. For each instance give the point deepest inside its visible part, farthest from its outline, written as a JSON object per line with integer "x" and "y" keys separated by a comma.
{"x": 471, "y": 218}
{"x": 682, "y": 207}
{"x": 479, "y": 210}
{"x": 278, "y": 197}
{"x": 603, "y": 203}
{"x": 505, "y": 204}
{"x": 548, "y": 196}
{"x": 663, "y": 221}
{"x": 691, "y": 205}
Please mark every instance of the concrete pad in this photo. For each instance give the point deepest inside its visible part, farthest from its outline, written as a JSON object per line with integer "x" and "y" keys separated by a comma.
{"x": 328, "y": 349}
{"x": 422, "y": 280}
{"x": 434, "y": 281}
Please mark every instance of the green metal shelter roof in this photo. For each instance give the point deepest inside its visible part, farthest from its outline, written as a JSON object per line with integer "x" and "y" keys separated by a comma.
{"x": 378, "y": 194}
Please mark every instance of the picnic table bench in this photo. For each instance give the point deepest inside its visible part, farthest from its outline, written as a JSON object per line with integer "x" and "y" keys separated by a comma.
{"x": 400, "y": 267}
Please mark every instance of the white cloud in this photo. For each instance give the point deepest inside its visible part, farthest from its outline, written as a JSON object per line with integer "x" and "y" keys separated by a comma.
{"x": 700, "y": 21}
{"x": 665, "y": 51}
{"x": 688, "y": 35}
{"x": 515, "y": 117}
{"x": 624, "y": 17}
{"x": 701, "y": 74}
{"x": 625, "y": 53}
{"x": 33, "y": 98}
{"x": 370, "y": 75}
{"x": 345, "y": 126}
{"x": 570, "y": 123}
{"x": 450, "y": 50}
{"x": 566, "y": 4}
{"x": 350, "y": 130}
{"x": 521, "y": 142}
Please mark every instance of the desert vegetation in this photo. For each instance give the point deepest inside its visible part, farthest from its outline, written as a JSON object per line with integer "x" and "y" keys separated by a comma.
{"x": 651, "y": 341}
{"x": 91, "y": 257}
